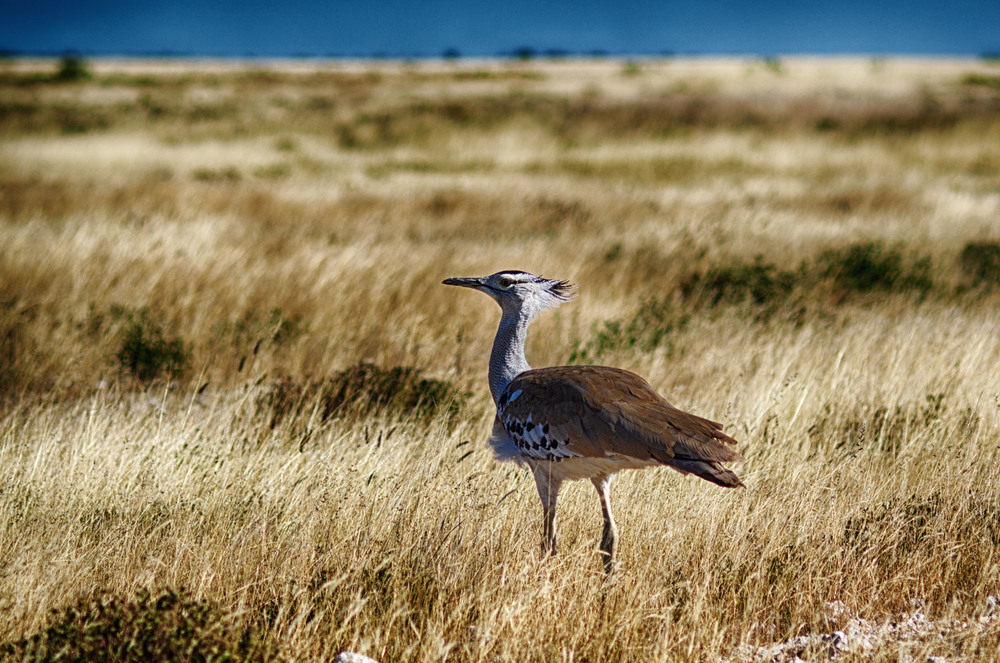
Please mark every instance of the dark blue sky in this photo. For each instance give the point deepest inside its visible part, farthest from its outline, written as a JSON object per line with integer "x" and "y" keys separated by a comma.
{"x": 478, "y": 27}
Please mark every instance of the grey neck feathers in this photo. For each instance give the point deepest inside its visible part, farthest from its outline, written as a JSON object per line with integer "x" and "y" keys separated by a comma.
{"x": 507, "y": 359}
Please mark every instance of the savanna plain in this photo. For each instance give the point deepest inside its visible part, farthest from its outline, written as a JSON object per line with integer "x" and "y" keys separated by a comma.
{"x": 240, "y": 418}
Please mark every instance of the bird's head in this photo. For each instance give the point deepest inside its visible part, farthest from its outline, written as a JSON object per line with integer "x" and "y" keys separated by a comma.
{"x": 519, "y": 292}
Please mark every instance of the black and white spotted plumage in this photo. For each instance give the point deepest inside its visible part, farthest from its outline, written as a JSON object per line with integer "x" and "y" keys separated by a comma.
{"x": 535, "y": 439}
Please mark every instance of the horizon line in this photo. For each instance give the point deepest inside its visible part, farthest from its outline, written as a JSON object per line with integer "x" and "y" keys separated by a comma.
{"x": 520, "y": 54}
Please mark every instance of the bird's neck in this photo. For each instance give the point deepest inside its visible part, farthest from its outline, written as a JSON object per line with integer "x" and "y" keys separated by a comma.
{"x": 507, "y": 359}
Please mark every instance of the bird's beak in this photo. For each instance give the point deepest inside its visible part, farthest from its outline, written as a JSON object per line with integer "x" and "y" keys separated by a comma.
{"x": 464, "y": 282}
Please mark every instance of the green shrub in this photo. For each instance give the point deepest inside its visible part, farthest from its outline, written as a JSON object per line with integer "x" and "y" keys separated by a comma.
{"x": 286, "y": 144}
{"x": 276, "y": 171}
{"x": 631, "y": 68}
{"x": 773, "y": 64}
{"x": 759, "y": 282}
{"x": 227, "y": 174}
{"x": 146, "y": 354}
{"x": 653, "y": 325}
{"x": 827, "y": 123}
{"x": 769, "y": 290}
{"x": 871, "y": 266}
{"x": 980, "y": 262}
{"x": 72, "y": 68}
{"x": 363, "y": 387}
{"x": 853, "y": 269}
{"x": 981, "y": 80}
{"x": 12, "y": 342}
{"x": 168, "y": 627}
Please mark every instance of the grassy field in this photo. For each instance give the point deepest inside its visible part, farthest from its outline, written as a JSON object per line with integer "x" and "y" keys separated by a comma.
{"x": 240, "y": 418}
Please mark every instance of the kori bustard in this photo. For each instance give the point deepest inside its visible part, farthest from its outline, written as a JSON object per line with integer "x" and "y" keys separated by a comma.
{"x": 584, "y": 422}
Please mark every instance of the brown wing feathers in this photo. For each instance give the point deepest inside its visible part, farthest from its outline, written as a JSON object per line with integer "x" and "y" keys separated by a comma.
{"x": 601, "y": 409}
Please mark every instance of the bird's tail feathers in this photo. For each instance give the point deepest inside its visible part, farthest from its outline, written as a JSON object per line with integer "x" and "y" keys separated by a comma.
{"x": 707, "y": 470}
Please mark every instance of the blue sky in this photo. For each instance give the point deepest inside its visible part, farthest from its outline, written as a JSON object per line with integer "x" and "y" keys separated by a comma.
{"x": 478, "y": 27}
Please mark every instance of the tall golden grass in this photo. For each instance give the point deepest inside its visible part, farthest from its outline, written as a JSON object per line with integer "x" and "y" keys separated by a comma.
{"x": 232, "y": 383}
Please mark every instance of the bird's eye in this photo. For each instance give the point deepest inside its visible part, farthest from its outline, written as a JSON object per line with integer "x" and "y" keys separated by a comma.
{"x": 505, "y": 282}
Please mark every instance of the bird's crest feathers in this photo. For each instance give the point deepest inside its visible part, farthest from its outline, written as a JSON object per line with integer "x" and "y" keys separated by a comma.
{"x": 513, "y": 286}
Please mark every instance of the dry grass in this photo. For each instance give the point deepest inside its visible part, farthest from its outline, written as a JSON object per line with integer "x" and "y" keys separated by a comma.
{"x": 197, "y": 262}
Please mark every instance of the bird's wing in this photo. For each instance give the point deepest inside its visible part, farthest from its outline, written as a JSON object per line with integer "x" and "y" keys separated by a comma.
{"x": 597, "y": 411}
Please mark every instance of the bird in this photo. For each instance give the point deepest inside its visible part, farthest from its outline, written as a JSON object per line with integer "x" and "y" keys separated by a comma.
{"x": 584, "y": 422}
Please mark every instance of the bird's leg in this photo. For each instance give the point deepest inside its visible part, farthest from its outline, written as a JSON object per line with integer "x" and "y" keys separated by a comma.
{"x": 548, "y": 490}
{"x": 608, "y": 538}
